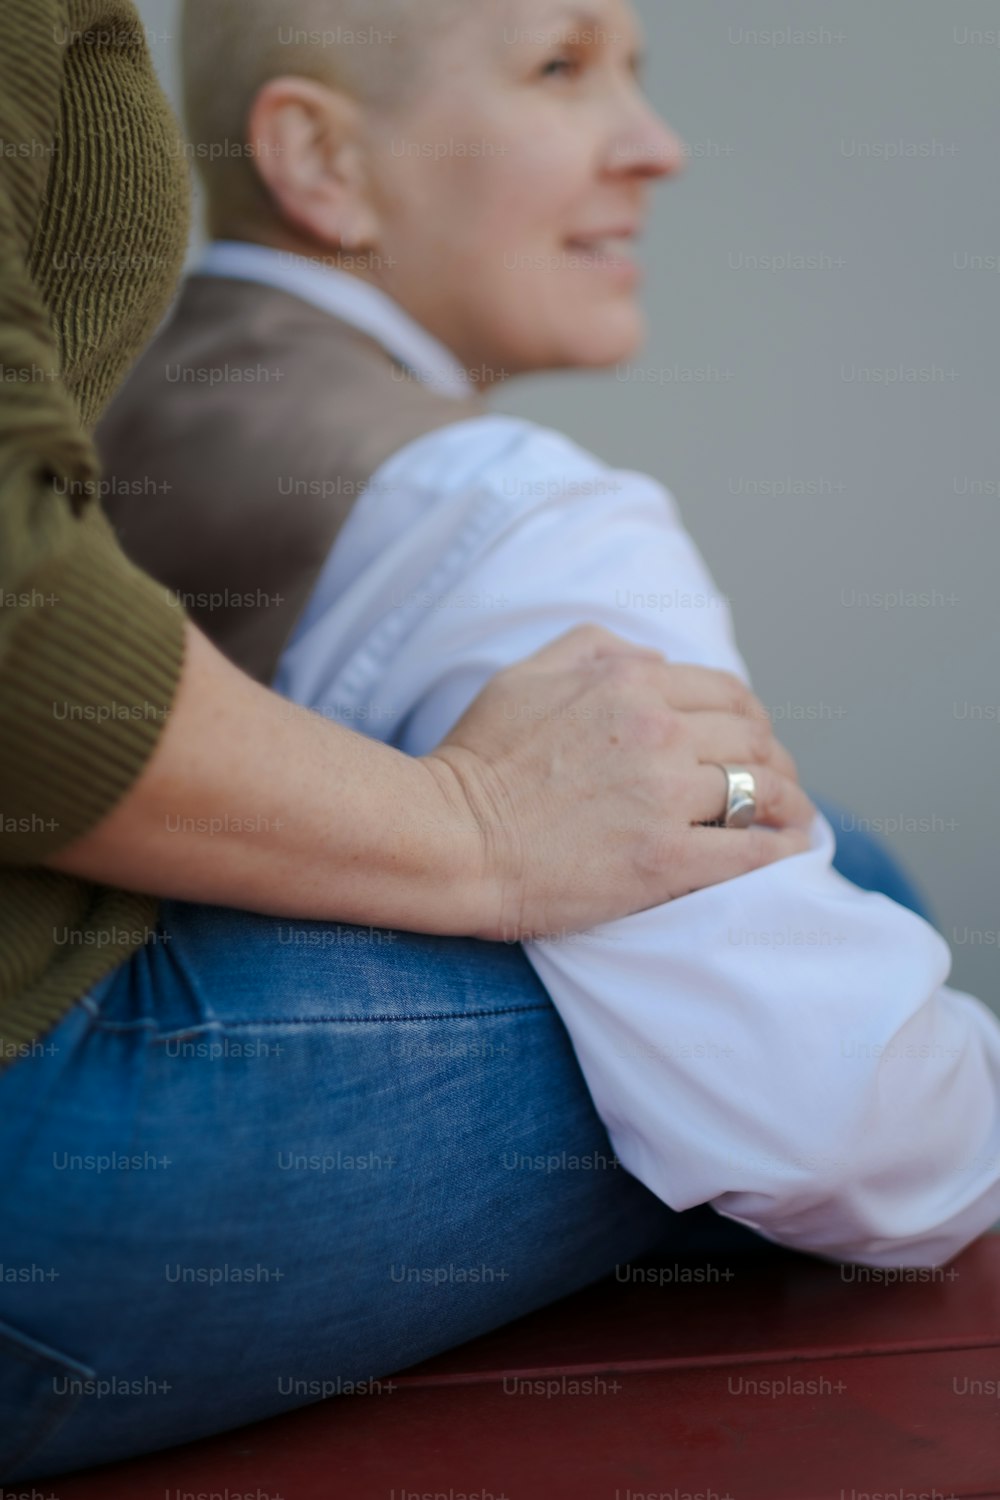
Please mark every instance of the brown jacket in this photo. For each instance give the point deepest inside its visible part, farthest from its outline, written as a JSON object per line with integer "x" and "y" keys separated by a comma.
{"x": 237, "y": 446}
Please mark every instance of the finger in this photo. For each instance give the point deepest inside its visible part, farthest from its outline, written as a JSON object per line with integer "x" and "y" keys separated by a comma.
{"x": 705, "y": 790}
{"x": 731, "y": 739}
{"x": 781, "y": 803}
{"x": 705, "y": 688}
{"x": 717, "y": 854}
{"x": 581, "y": 647}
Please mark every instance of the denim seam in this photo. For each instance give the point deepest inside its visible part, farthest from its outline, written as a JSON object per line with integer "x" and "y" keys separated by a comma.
{"x": 56, "y": 1411}
{"x": 97, "y": 1024}
{"x": 438, "y": 1015}
{"x": 199, "y": 1029}
{"x": 91, "y": 1007}
{"x": 148, "y": 1023}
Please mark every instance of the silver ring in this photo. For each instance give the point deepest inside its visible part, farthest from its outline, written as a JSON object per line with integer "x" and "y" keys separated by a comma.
{"x": 741, "y": 797}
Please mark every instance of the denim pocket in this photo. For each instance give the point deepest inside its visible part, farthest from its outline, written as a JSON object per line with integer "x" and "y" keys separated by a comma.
{"x": 39, "y": 1389}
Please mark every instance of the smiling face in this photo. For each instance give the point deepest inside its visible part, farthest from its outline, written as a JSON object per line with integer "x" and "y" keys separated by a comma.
{"x": 508, "y": 195}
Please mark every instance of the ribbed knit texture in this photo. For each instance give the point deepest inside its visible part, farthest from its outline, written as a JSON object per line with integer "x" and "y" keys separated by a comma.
{"x": 93, "y": 223}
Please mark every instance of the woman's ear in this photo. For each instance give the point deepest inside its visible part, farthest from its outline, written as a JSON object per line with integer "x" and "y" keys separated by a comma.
{"x": 305, "y": 141}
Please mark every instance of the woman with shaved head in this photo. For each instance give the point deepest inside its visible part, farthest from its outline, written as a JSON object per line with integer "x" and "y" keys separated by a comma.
{"x": 284, "y": 1105}
{"x": 488, "y": 165}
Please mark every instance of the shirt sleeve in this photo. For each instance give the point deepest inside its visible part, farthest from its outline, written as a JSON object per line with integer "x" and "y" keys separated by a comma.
{"x": 783, "y": 1045}
{"x": 90, "y": 648}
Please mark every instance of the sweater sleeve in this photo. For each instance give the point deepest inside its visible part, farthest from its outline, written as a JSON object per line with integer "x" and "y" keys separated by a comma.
{"x": 91, "y": 649}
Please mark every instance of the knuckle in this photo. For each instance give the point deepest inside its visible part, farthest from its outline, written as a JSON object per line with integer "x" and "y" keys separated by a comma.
{"x": 657, "y": 728}
{"x": 761, "y": 741}
{"x": 632, "y": 672}
{"x": 591, "y": 634}
{"x": 768, "y": 793}
{"x": 671, "y": 729}
{"x": 739, "y": 699}
{"x": 632, "y": 668}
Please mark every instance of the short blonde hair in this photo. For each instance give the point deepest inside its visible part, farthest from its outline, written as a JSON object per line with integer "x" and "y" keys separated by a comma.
{"x": 230, "y": 48}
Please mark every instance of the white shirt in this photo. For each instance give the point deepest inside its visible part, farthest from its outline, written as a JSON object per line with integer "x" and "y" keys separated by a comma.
{"x": 783, "y": 1045}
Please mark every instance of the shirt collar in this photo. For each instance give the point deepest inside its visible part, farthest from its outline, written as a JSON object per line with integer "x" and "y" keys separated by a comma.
{"x": 364, "y": 306}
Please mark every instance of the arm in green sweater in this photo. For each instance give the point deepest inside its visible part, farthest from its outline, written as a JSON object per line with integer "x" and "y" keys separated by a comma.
{"x": 90, "y": 649}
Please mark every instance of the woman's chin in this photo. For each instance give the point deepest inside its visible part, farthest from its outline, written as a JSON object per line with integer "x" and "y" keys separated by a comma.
{"x": 599, "y": 341}
{"x": 611, "y": 340}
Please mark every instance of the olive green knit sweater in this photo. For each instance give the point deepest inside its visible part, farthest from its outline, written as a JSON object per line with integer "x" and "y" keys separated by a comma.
{"x": 93, "y": 223}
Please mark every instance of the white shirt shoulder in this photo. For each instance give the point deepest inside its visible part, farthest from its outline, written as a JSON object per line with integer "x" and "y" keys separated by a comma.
{"x": 485, "y": 540}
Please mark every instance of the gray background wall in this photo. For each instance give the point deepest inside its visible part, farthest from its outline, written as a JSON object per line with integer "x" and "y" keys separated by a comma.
{"x": 871, "y": 147}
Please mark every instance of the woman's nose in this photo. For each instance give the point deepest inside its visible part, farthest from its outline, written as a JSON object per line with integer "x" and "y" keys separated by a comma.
{"x": 649, "y": 148}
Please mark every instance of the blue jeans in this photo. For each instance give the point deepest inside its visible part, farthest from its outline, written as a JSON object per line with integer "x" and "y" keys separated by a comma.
{"x": 265, "y": 1159}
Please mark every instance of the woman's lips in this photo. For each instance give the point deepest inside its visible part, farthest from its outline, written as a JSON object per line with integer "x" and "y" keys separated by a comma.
{"x": 611, "y": 253}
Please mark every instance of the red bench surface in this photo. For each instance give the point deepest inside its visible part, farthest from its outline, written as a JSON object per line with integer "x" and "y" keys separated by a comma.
{"x": 768, "y": 1378}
